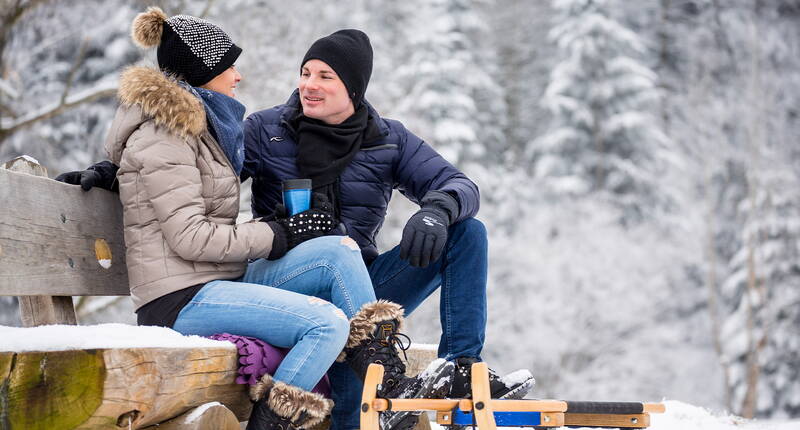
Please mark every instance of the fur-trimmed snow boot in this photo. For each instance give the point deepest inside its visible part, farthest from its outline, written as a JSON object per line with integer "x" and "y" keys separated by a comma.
{"x": 515, "y": 385}
{"x": 374, "y": 336}
{"x": 280, "y": 406}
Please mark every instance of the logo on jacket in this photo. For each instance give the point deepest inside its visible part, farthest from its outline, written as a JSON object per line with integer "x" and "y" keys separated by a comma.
{"x": 276, "y": 139}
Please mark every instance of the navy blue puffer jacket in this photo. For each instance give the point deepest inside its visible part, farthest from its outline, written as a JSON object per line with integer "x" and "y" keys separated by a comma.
{"x": 390, "y": 157}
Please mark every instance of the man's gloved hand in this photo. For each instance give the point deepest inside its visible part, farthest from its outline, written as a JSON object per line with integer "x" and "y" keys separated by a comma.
{"x": 293, "y": 230}
{"x": 425, "y": 233}
{"x": 101, "y": 175}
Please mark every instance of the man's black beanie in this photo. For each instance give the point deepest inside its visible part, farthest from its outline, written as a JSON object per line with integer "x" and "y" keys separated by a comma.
{"x": 349, "y": 53}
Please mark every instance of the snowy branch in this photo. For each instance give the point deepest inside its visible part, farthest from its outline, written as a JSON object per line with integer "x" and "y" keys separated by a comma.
{"x": 100, "y": 91}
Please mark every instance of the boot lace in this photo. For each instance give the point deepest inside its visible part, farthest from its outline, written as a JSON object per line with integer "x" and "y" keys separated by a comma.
{"x": 388, "y": 357}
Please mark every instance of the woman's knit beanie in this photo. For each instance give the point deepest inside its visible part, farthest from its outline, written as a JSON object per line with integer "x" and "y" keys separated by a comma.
{"x": 192, "y": 48}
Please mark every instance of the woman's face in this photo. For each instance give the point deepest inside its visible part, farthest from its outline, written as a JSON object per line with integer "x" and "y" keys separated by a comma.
{"x": 322, "y": 94}
{"x": 225, "y": 82}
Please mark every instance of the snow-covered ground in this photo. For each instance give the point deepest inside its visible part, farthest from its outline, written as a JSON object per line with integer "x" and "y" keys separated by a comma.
{"x": 683, "y": 416}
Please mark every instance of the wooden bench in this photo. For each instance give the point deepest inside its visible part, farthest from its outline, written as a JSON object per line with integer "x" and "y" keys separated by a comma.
{"x": 58, "y": 242}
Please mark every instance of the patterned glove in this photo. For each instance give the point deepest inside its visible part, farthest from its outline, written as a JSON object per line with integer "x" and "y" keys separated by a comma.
{"x": 296, "y": 229}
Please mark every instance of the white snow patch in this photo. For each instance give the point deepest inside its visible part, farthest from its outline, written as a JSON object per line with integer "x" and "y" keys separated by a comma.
{"x": 68, "y": 337}
{"x": 683, "y": 416}
{"x": 426, "y": 346}
{"x": 198, "y": 411}
{"x": 104, "y": 263}
{"x": 7, "y": 88}
{"x": 30, "y": 159}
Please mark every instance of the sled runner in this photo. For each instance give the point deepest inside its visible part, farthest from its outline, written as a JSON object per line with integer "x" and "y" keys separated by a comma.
{"x": 485, "y": 413}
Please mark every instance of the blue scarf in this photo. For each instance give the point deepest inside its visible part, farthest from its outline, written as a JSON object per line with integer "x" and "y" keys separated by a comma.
{"x": 225, "y": 116}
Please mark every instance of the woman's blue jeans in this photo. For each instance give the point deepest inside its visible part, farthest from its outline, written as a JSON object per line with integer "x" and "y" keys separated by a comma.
{"x": 302, "y": 301}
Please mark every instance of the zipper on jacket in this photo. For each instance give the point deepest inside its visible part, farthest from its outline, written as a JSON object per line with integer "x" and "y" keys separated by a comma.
{"x": 384, "y": 146}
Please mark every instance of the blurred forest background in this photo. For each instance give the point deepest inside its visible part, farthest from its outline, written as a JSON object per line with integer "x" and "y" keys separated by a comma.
{"x": 638, "y": 162}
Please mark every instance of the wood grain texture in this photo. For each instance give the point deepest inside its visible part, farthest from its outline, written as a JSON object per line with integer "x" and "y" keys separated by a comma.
{"x": 204, "y": 417}
{"x": 482, "y": 397}
{"x": 96, "y": 389}
{"x": 52, "y": 390}
{"x": 44, "y": 310}
{"x": 369, "y": 418}
{"x": 607, "y": 420}
{"x": 39, "y": 310}
{"x": 48, "y": 232}
{"x": 415, "y": 404}
{"x": 418, "y": 361}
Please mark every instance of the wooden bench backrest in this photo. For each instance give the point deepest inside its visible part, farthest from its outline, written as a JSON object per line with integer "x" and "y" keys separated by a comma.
{"x": 53, "y": 236}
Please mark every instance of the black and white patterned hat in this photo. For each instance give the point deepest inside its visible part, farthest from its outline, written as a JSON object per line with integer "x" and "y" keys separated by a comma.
{"x": 190, "y": 47}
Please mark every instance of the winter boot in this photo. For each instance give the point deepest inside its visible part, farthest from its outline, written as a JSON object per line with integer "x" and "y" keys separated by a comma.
{"x": 515, "y": 385}
{"x": 374, "y": 334}
{"x": 280, "y": 406}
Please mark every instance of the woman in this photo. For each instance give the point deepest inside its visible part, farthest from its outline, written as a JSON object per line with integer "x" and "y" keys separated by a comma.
{"x": 178, "y": 142}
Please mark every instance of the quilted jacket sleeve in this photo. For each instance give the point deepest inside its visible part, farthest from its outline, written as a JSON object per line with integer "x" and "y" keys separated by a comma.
{"x": 171, "y": 181}
{"x": 419, "y": 169}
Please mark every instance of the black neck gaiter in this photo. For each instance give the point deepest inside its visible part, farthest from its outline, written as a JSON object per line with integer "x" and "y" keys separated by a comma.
{"x": 325, "y": 150}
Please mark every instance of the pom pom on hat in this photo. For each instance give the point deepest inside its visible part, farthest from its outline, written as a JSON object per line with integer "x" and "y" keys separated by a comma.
{"x": 148, "y": 26}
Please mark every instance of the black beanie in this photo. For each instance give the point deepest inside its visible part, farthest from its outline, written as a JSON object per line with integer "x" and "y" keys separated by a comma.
{"x": 349, "y": 53}
{"x": 192, "y": 48}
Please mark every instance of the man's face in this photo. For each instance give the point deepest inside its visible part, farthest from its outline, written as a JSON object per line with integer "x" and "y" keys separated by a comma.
{"x": 322, "y": 94}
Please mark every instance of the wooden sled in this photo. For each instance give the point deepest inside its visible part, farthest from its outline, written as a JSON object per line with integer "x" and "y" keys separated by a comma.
{"x": 487, "y": 414}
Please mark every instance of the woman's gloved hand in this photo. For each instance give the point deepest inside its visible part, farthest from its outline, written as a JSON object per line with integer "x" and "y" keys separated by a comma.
{"x": 293, "y": 230}
{"x": 101, "y": 175}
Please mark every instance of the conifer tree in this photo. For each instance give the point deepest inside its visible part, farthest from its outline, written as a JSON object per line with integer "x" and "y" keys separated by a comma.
{"x": 603, "y": 136}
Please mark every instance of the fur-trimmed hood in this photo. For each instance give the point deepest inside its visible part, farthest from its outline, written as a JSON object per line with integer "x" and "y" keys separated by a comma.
{"x": 147, "y": 94}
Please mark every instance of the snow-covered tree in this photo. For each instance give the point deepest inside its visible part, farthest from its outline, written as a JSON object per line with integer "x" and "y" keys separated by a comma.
{"x": 603, "y": 137}
{"x": 451, "y": 99}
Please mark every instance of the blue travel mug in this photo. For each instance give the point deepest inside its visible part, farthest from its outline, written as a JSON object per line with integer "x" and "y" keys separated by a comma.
{"x": 297, "y": 195}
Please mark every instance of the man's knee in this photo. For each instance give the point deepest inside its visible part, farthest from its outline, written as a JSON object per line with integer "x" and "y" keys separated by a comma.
{"x": 469, "y": 227}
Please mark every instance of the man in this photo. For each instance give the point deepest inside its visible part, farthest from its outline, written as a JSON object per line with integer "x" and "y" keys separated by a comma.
{"x": 328, "y": 132}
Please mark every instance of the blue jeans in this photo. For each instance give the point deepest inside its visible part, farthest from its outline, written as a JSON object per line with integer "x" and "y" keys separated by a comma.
{"x": 461, "y": 272}
{"x": 279, "y": 303}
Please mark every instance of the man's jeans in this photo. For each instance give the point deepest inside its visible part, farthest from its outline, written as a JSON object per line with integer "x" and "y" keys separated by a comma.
{"x": 303, "y": 301}
{"x": 461, "y": 272}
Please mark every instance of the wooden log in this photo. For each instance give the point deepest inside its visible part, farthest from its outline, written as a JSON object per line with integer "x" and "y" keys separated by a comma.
{"x": 209, "y": 416}
{"x": 104, "y": 388}
{"x": 94, "y": 389}
{"x": 57, "y": 240}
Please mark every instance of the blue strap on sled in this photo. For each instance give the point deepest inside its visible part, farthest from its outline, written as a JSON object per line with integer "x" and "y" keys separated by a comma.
{"x": 502, "y": 419}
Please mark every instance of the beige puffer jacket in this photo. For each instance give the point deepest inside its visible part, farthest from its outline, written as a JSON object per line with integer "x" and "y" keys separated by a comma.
{"x": 179, "y": 193}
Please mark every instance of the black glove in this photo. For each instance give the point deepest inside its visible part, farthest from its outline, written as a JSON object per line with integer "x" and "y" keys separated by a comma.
{"x": 101, "y": 175}
{"x": 296, "y": 229}
{"x": 425, "y": 233}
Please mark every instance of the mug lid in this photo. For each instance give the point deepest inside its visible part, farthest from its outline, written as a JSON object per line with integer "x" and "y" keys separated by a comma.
{"x": 297, "y": 184}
